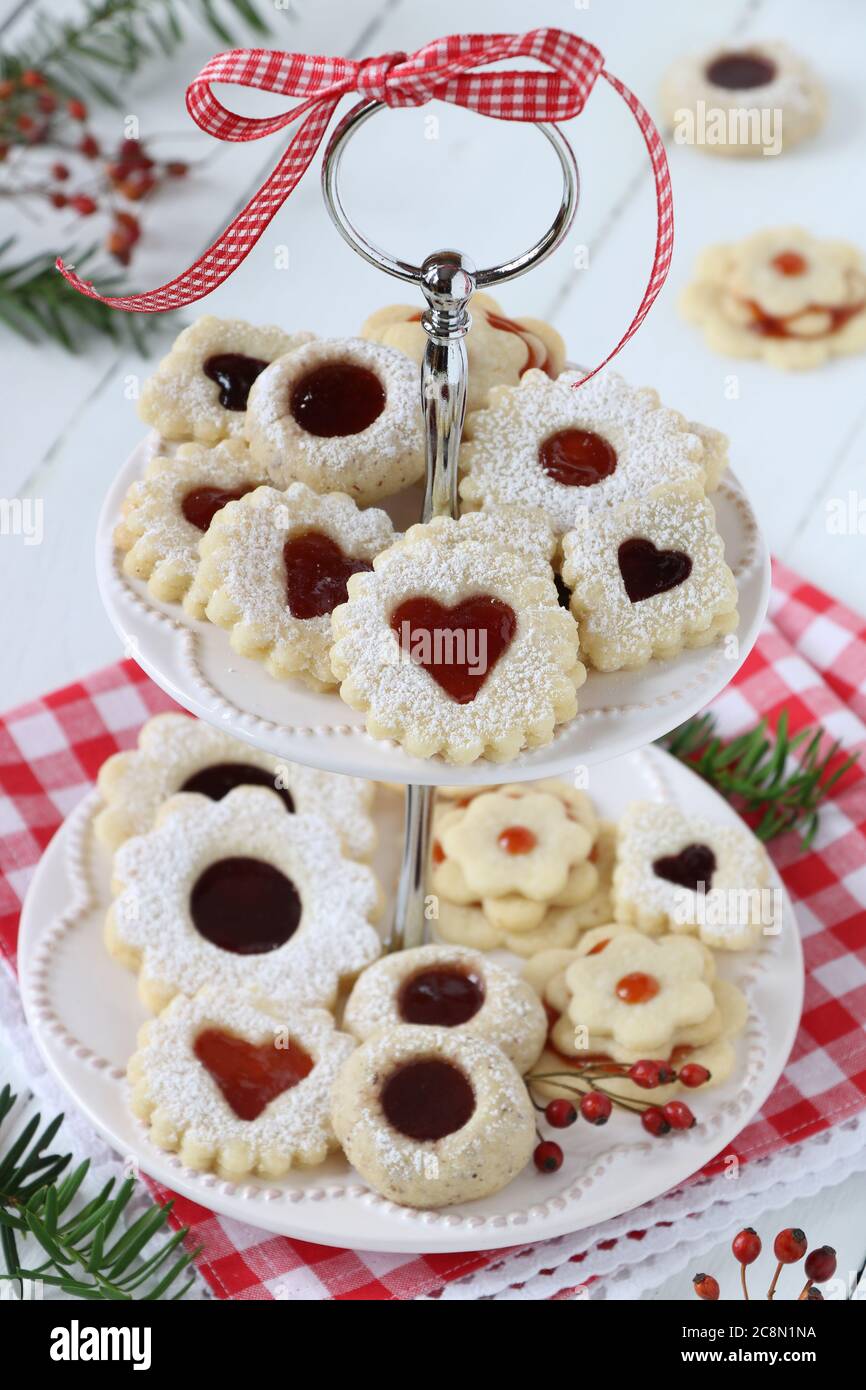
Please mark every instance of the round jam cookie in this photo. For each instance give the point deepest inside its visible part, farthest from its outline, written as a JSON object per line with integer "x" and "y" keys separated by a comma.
{"x": 546, "y": 444}
{"x": 165, "y": 514}
{"x": 178, "y": 754}
{"x": 499, "y": 349}
{"x": 200, "y": 390}
{"x": 432, "y": 1116}
{"x": 460, "y": 651}
{"x": 238, "y": 894}
{"x": 237, "y": 1086}
{"x": 525, "y": 531}
{"x": 449, "y": 987}
{"x": 273, "y": 567}
{"x": 648, "y": 579}
{"x": 341, "y": 415}
{"x": 758, "y": 99}
{"x": 681, "y": 874}
{"x": 782, "y": 295}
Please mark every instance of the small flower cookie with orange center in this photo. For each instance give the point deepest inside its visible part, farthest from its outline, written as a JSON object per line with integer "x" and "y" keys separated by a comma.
{"x": 449, "y": 987}
{"x": 546, "y": 444}
{"x": 275, "y": 564}
{"x": 681, "y": 874}
{"x": 499, "y": 349}
{"x": 649, "y": 578}
{"x": 761, "y": 98}
{"x": 782, "y": 295}
{"x": 200, "y": 390}
{"x": 341, "y": 415}
{"x": 237, "y": 1085}
{"x": 178, "y": 754}
{"x": 461, "y": 651}
{"x": 165, "y": 514}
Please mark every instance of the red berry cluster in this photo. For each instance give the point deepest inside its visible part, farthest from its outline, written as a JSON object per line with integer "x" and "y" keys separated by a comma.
{"x": 789, "y": 1247}
{"x": 595, "y": 1102}
{"x": 36, "y": 120}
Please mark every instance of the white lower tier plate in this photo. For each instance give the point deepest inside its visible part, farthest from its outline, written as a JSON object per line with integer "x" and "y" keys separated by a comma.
{"x": 84, "y": 1011}
{"x": 195, "y": 663}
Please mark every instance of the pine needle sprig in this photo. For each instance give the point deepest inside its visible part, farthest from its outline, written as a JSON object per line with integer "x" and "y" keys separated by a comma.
{"x": 756, "y": 770}
{"x": 82, "y": 1259}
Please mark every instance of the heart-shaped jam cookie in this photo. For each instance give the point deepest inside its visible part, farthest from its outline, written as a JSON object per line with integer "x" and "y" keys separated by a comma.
{"x": 695, "y": 864}
{"x": 577, "y": 458}
{"x": 317, "y": 572}
{"x": 458, "y": 647}
{"x": 251, "y": 1075}
{"x": 200, "y": 506}
{"x": 647, "y": 571}
{"x": 234, "y": 374}
{"x": 245, "y": 905}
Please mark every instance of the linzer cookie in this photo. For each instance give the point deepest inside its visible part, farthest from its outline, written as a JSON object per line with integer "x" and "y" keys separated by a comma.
{"x": 792, "y": 299}
{"x": 200, "y": 390}
{"x": 649, "y": 578}
{"x": 341, "y": 415}
{"x": 499, "y": 349}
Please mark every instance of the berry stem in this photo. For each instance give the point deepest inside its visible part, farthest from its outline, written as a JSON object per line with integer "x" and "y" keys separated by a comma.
{"x": 743, "y": 1282}
{"x": 805, "y": 1294}
{"x": 771, "y": 1292}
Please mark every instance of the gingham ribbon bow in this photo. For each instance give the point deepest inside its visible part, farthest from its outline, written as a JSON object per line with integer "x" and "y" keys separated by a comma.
{"x": 445, "y": 70}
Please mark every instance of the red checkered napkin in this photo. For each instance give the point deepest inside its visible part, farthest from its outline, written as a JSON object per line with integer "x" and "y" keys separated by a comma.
{"x": 810, "y": 660}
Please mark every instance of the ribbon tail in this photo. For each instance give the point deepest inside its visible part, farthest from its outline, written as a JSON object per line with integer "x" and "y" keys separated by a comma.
{"x": 664, "y": 215}
{"x": 232, "y": 246}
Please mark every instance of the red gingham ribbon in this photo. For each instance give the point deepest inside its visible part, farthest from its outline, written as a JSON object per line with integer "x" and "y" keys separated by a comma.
{"x": 443, "y": 70}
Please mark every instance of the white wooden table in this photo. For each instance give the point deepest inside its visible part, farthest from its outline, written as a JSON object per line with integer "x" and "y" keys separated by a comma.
{"x": 797, "y": 441}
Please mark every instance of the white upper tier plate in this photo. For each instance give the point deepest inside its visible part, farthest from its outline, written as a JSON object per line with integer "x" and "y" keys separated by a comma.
{"x": 195, "y": 663}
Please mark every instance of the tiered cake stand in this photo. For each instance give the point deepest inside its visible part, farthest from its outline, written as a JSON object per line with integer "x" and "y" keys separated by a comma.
{"x": 61, "y": 953}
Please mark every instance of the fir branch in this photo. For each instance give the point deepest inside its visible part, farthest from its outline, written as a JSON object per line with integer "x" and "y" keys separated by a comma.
{"x": 81, "y": 1258}
{"x": 755, "y": 770}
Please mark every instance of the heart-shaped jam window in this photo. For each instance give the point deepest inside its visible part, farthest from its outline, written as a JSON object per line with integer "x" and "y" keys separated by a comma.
{"x": 336, "y": 399}
{"x": 647, "y": 571}
{"x": 458, "y": 647}
{"x": 317, "y": 572}
{"x": 245, "y": 905}
{"x": 251, "y": 1075}
{"x": 234, "y": 374}
{"x": 695, "y": 864}
{"x": 577, "y": 458}
{"x": 219, "y": 779}
{"x": 201, "y": 505}
{"x": 427, "y": 1099}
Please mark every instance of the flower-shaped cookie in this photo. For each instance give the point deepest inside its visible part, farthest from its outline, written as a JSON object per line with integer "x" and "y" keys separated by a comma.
{"x": 237, "y": 1085}
{"x": 165, "y": 514}
{"x": 449, "y": 987}
{"x": 200, "y": 390}
{"x": 761, "y": 98}
{"x": 275, "y": 564}
{"x": 547, "y": 445}
{"x": 640, "y": 991}
{"x": 683, "y": 874}
{"x": 649, "y": 578}
{"x": 238, "y": 894}
{"x": 432, "y": 1116}
{"x": 178, "y": 754}
{"x": 499, "y": 349}
{"x": 783, "y": 295}
{"x": 341, "y": 415}
{"x": 458, "y": 650}
{"x": 504, "y": 844}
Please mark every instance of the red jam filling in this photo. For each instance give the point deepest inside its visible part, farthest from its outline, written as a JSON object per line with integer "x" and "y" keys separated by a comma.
{"x": 599, "y": 947}
{"x": 738, "y": 72}
{"x": 217, "y": 781}
{"x": 245, "y": 905}
{"x": 695, "y": 864}
{"x": 789, "y": 263}
{"x": 427, "y": 1099}
{"x": 336, "y": 399}
{"x": 443, "y": 996}
{"x": 250, "y": 1075}
{"x": 458, "y": 647}
{"x": 317, "y": 573}
{"x": 637, "y": 988}
{"x": 200, "y": 506}
{"x": 771, "y": 326}
{"x": 537, "y": 353}
{"x": 234, "y": 374}
{"x": 437, "y": 853}
{"x": 577, "y": 458}
{"x": 517, "y": 839}
{"x": 647, "y": 571}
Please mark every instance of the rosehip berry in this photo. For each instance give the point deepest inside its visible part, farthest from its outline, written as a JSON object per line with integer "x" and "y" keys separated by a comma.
{"x": 746, "y": 1246}
{"x": 560, "y": 1113}
{"x": 648, "y": 1074}
{"x": 130, "y": 222}
{"x": 693, "y": 1074}
{"x": 89, "y": 146}
{"x": 82, "y": 204}
{"x": 821, "y": 1264}
{"x": 58, "y": 200}
{"x": 595, "y": 1106}
{"x": 136, "y": 187}
{"x": 47, "y": 102}
{"x": 32, "y": 79}
{"x": 76, "y": 109}
{"x": 25, "y": 123}
{"x": 548, "y": 1156}
{"x": 59, "y": 172}
{"x": 678, "y": 1115}
{"x": 7, "y": 87}
{"x": 654, "y": 1122}
{"x": 706, "y": 1286}
{"x": 790, "y": 1245}
{"x": 177, "y": 168}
